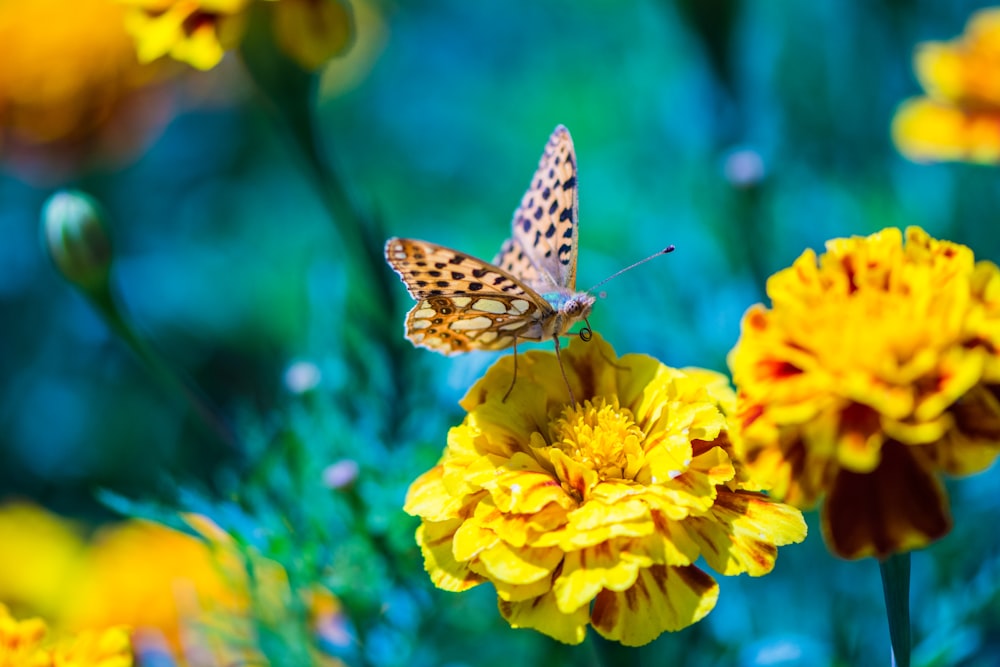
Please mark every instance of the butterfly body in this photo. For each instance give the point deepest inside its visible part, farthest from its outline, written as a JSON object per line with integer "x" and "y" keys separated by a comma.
{"x": 526, "y": 293}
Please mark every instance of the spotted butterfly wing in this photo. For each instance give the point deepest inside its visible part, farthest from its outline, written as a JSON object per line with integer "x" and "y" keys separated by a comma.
{"x": 464, "y": 303}
{"x": 542, "y": 250}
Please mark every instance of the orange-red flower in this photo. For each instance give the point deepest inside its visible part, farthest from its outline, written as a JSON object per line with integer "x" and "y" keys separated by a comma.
{"x": 876, "y": 368}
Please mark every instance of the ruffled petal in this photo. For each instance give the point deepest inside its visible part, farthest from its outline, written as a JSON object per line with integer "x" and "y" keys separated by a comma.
{"x": 662, "y": 599}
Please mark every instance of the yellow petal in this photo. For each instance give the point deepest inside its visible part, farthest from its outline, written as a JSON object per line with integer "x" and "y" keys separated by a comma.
{"x": 518, "y": 566}
{"x": 662, "y": 599}
{"x": 543, "y": 615}
{"x": 435, "y": 540}
{"x": 525, "y": 491}
{"x": 588, "y": 571}
{"x": 742, "y": 531}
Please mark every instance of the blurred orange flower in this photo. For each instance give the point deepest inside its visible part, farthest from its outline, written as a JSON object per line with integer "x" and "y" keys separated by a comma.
{"x": 153, "y": 579}
{"x": 876, "y": 368}
{"x": 67, "y": 71}
{"x": 40, "y": 556}
{"x": 959, "y": 120}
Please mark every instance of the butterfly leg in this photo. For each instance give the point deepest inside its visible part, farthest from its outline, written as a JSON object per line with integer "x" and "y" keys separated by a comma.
{"x": 572, "y": 399}
{"x": 514, "y": 379}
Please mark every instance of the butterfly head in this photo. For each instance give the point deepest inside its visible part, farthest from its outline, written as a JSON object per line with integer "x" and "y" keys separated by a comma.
{"x": 572, "y": 307}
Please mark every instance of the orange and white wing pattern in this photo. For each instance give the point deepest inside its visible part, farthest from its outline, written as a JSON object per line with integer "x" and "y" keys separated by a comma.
{"x": 463, "y": 303}
{"x": 545, "y": 224}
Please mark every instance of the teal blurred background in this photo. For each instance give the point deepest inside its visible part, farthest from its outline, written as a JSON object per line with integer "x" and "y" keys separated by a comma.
{"x": 741, "y": 132}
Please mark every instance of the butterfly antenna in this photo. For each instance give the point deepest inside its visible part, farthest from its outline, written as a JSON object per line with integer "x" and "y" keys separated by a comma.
{"x": 668, "y": 249}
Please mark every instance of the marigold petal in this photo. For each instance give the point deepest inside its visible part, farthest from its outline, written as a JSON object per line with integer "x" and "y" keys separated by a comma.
{"x": 543, "y": 615}
{"x": 675, "y": 545}
{"x": 428, "y": 498}
{"x": 519, "y": 530}
{"x": 693, "y": 491}
{"x": 928, "y": 131}
{"x": 501, "y": 562}
{"x": 472, "y": 538}
{"x": 742, "y": 531}
{"x": 521, "y": 592}
{"x": 974, "y": 445}
{"x": 595, "y": 522}
{"x": 587, "y": 572}
{"x": 577, "y": 476}
{"x": 525, "y": 490}
{"x": 435, "y": 540}
{"x": 662, "y": 599}
{"x": 898, "y": 507}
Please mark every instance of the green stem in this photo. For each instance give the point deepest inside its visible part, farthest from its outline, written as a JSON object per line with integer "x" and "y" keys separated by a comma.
{"x": 895, "y": 572}
{"x": 106, "y": 304}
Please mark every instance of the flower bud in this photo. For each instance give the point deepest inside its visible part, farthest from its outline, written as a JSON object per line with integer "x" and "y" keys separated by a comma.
{"x": 75, "y": 234}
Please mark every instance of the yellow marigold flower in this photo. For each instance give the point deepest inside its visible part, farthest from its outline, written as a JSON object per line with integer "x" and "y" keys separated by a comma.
{"x": 595, "y": 512}
{"x": 876, "y": 368}
{"x": 199, "y": 32}
{"x": 24, "y": 644}
{"x": 960, "y": 118}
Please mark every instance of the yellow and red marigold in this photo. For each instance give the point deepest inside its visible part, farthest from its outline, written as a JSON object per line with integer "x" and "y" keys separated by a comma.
{"x": 199, "y": 32}
{"x": 595, "y": 512}
{"x": 876, "y": 368}
{"x": 959, "y": 120}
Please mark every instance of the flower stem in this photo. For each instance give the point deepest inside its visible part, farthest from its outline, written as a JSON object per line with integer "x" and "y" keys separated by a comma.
{"x": 895, "y": 572}
{"x": 103, "y": 299}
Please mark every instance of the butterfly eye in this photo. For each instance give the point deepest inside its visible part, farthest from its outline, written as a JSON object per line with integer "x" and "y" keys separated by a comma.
{"x": 573, "y": 307}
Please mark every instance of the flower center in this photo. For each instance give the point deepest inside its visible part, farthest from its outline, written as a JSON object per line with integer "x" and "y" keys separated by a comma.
{"x": 602, "y": 436}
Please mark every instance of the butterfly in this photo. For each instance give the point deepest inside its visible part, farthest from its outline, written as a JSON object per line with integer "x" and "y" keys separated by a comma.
{"x": 528, "y": 292}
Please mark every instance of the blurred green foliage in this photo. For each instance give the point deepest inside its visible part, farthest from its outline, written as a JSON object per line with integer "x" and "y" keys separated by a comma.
{"x": 742, "y": 132}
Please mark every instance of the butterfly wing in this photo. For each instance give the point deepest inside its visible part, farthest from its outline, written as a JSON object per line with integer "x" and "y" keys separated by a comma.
{"x": 542, "y": 250}
{"x": 463, "y": 303}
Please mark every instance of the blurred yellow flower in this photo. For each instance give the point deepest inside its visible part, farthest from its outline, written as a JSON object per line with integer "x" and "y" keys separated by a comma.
{"x": 24, "y": 644}
{"x": 594, "y": 513}
{"x": 199, "y": 32}
{"x": 876, "y": 368}
{"x": 959, "y": 120}
{"x": 39, "y": 557}
{"x": 67, "y": 69}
